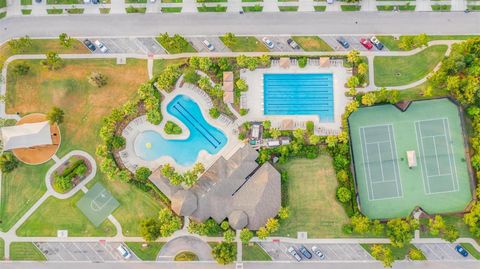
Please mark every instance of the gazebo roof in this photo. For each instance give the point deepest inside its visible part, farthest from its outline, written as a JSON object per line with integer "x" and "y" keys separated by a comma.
{"x": 228, "y": 76}
{"x": 26, "y": 135}
{"x": 284, "y": 62}
{"x": 324, "y": 62}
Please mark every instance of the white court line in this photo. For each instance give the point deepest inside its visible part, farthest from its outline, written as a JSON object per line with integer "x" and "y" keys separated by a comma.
{"x": 446, "y": 126}
{"x": 381, "y": 161}
{"x": 393, "y": 148}
{"x": 421, "y": 166}
{"x": 424, "y": 176}
{"x": 365, "y": 157}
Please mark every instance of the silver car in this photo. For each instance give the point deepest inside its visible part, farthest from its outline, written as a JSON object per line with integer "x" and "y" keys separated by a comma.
{"x": 317, "y": 252}
{"x": 294, "y": 253}
{"x": 268, "y": 43}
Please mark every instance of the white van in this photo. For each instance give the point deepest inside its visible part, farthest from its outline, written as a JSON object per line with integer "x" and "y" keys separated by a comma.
{"x": 124, "y": 252}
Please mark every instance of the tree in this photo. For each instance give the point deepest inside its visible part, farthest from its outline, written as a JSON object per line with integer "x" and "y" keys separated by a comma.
{"x": 377, "y": 227}
{"x": 353, "y": 57}
{"x": 263, "y": 233}
{"x": 314, "y": 139}
{"x": 436, "y": 225}
{"x": 353, "y": 82}
{"x": 142, "y": 174}
{"x": 264, "y": 60}
{"x": 53, "y": 61}
{"x": 272, "y": 225}
{"x": 275, "y": 133}
{"x": 65, "y": 40}
{"x": 421, "y": 40}
{"x": 229, "y": 39}
{"x": 149, "y": 229}
{"x": 191, "y": 76}
{"x": 8, "y": 162}
{"x": 450, "y": 234}
{"x": 168, "y": 222}
{"x": 214, "y": 113}
{"x": 383, "y": 254}
{"x": 97, "y": 79}
{"x": 361, "y": 224}
{"x": 224, "y": 225}
{"x": 168, "y": 77}
{"x": 20, "y": 45}
{"x": 343, "y": 194}
{"x": 242, "y": 60}
{"x": 369, "y": 99}
{"x": 299, "y": 134}
{"x": 21, "y": 69}
{"x": 407, "y": 42}
{"x": 241, "y": 85}
{"x": 229, "y": 236}
{"x": 204, "y": 83}
{"x": 362, "y": 69}
{"x": 205, "y": 64}
{"x": 302, "y": 62}
{"x": 224, "y": 253}
{"x": 415, "y": 254}
{"x": 55, "y": 115}
{"x": 400, "y": 231}
{"x": 246, "y": 235}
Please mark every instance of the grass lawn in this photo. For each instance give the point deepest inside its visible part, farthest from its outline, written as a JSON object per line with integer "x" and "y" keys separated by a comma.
{"x": 148, "y": 253}
{"x": 311, "y": 199}
{"x": 54, "y": 11}
{"x": 75, "y": 11}
{"x": 456, "y": 221}
{"x": 394, "y": 44}
{"x": 3, "y": 3}
{"x": 441, "y": 7}
{"x": 104, "y": 10}
{"x": 416, "y": 93}
{"x": 63, "y": 2}
{"x": 2, "y": 245}
{"x": 288, "y": 8}
{"x": 247, "y": 44}
{"x": 255, "y": 8}
{"x": 311, "y": 43}
{"x": 20, "y": 190}
{"x": 398, "y": 253}
{"x": 402, "y": 70}
{"x": 350, "y": 7}
{"x": 254, "y": 253}
{"x": 172, "y": 1}
{"x": 319, "y": 8}
{"x": 25, "y": 251}
{"x": 160, "y": 64}
{"x": 185, "y": 48}
{"x": 55, "y": 214}
{"x": 132, "y": 9}
{"x": 471, "y": 250}
{"x": 171, "y": 9}
{"x": 212, "y": 9}
{"x": 26, "y": 2}
{"x": 26, "y": 11}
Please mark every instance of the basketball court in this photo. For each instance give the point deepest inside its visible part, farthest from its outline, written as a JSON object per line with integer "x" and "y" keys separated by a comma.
{"x": 412, "y": 158}
{"x": 97, "y": 204}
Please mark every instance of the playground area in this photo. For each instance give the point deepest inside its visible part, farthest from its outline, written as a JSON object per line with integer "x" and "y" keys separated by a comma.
{"x": 97, "y": 204}
{"x": 407, "y": 159}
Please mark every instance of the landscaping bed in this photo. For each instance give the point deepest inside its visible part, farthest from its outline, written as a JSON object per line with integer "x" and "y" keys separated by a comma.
{"x": 148, "y": 252}
{"x": 71, "y": 173}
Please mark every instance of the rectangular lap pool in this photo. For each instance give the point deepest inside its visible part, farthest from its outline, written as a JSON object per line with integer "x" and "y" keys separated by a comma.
{"x": 299, "y": 94}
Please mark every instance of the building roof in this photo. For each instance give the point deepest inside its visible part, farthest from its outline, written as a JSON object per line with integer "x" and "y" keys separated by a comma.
{"x": 324, "y": 62}
{"x": 228, "y": 76}
{"x": 287, "y": 124}
{"x": 228, "y": 97}
{"x": 284, "y": 62}
{"x": 229, "y": 189}
{"x": 26, "y": 135}
{"x": 163, "y": 184}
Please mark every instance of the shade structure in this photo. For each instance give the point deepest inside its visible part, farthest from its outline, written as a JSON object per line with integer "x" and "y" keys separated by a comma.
{"x": 26, "y": 135}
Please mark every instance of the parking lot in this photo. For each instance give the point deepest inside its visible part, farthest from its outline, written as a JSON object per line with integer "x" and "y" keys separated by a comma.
{"x": 130, "y": 45}
{"x": 441, "y": 252}
{"x": 354, "y": 42}
{"x": 332, "y": 252}
{"x": 91, "y": 251}
{"x": 197, "y": 43}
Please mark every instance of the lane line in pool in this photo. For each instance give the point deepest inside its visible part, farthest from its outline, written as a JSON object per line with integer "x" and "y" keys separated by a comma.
{"x": 201, "y": 125}
{"x": 194, "y": 126}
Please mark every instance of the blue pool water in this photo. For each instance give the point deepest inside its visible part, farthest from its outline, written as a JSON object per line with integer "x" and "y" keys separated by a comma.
{"x": 203, "y": 136}
{"x": 299, "y": 94}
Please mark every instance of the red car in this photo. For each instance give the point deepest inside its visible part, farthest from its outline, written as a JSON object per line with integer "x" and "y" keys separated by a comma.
{"x": 366, "y": 43}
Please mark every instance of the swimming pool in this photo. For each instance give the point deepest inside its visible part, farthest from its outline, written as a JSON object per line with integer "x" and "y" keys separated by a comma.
{"x": 299, "y": 94}
{"x": 150, "y": 145}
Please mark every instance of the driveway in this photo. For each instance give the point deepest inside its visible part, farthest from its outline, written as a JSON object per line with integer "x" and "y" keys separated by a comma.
{"x": 354, "y": 42}
{"x": 131, "y": 45}
{"x": 89, "y": 252}
{"x": 445, "y": 252}
{"x": 185, "y": 243}
{"x": 197, "y": 43}
{"x": 332, "y": 252}
{"x": 280, "y": 43}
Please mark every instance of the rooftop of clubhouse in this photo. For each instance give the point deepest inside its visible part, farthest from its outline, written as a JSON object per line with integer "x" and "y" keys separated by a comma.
{"x": 388, "y": 185}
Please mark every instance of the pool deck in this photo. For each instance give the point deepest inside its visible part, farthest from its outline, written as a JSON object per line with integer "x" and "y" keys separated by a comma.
{"x": 255, "y": 95}
{"x": 140, "y": 124}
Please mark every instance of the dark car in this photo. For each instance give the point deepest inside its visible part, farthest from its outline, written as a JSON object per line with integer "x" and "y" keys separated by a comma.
{"x": 305, "y": 252}
{"x": 376, "y": 42}
{"x": 461, "y": 250}
{"x": 89, "y": 45}
{"x": 292, "y": 44}
{"x": 343, "y": 42}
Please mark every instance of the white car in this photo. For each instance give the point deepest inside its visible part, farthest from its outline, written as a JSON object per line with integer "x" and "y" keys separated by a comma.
{"x": 268, "y": 43}
{"x": 318, "y": 252}
{"x": 209, "y": 46}
{"x": 294, "y": 253}
{"x": 376, "y": 42}
{"x": 101, "y": 46}
{"x": 124, "y": 252}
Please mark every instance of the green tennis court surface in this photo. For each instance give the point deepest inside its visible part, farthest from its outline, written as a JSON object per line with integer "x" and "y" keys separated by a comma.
{"x": 97, "y": 204}
{"x": 436, "y": 179}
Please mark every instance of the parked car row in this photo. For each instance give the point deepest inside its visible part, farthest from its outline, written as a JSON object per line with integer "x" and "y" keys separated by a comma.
{"x": 305, "y": 253}
{"x": 367, "y": 43}
{"x": 93, "y": 46}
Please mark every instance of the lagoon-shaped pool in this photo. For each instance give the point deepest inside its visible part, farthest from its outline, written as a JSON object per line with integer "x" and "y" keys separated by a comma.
{"x": 150, "y": 145}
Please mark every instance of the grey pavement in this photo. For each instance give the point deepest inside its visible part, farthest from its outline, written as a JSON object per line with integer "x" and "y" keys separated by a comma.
{"x": 442, "y": 252}
{"x": 82, "y": 251}
{"x": 197, "y": 43}
{"x": 185, "y": 243}
{"x": 287, "y": 23}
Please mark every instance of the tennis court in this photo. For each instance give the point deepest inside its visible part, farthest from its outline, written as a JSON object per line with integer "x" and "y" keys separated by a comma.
{"x": 410, "y": 159}
{"x": 97, "y": 204}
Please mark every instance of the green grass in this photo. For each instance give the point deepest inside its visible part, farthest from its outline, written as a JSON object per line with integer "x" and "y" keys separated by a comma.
{"x": 26, "y": 2}
{"x": 311, "y": 187}
{"x": 25, "y": 251}
{"x": 288, "y": 8}
{"x": 471, "y": 250}
{"x": 456, "y": 221}
{"x": 416, "y": 92}
{"x": 2, "y": 245}
{"x": 172, "y": 1}
{"x": 441, "y": 7}
{"x": 185, "y": 256}
{"x": 135, "y": 1}
{"x": 402, "y": 70}
{"x": 55, "y": 11}
{"x": 26, "y": 11}
{"x": 75, "y": 11}
{"x": 132, "y": 9}
{"x": 311, "y": 43}
{"x": 394, "y": 44}
{"x": 250, "y": 1}
{"x": 407, "y": 8}
{"x": 247, "y": 44}
{"x": 3, "y": 3}
{"x": 55, "y": 214}
{"x": 171, "y": 9}
{"x": 400, "y": 7}
{"x": 64, "y": 2}
{"x": 148, "y": 253}
{"x": 385, "y": 8}
{"x": 174, "y": 50}
{"x": 398, "y": 253}
{"x": 160, "y": 64}
{"x": 320, "y": 8}
{"x": 350, "y": 7}
{"x": 254, "y": 253}
{"x": 20, "y": 190}
{"x": 473, "y": 7}
{"x": 3, "y": 15}
{"x": 104, "y": 10}
{"x": 212, "y": 1}
{"x": 217, "y": 8}
{"x": 255, "y": 8}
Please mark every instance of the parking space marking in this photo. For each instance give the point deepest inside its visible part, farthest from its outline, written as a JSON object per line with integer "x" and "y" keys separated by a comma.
{"x": 66, "y": 251}
{"x": 108, "y": 251}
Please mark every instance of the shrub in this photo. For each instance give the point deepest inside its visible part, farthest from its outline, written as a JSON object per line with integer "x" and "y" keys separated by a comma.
{"x": 344, "y": 195}
{"x": 173, "y": 44}
{"x": 416, "y": 254}
{"x": 55, "y": 115}
{"x": 97, "y": 79}
{"x": 191, "y": 76}
{"x": 302, "y": 62}
{"x": 8, "y": 162}
{"x": 21, "y": 69}
{"x": 214, "y": 113}
{"x": 118, "y": 142}
{"x": 142, "y": 174}
{"x": 224, "y": 253}
{"x": 243, "y": 111}
{"x": 172, "y": 128}
{"x": 246, "y": 235}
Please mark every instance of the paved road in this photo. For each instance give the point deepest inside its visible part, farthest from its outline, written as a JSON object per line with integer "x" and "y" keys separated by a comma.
{"x": 253, "y": 265}
{"x": 262, "y": 23}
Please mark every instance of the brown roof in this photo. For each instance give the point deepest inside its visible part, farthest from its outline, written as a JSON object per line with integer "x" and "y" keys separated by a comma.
{"x": 238, "y": 219}
{"x": 184, "y": 202}
{"x": 228, "y": 97}
{"x": 163, "y": 184}
{"x": 227, "y": 76}
{"x": 227, "y": 86}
